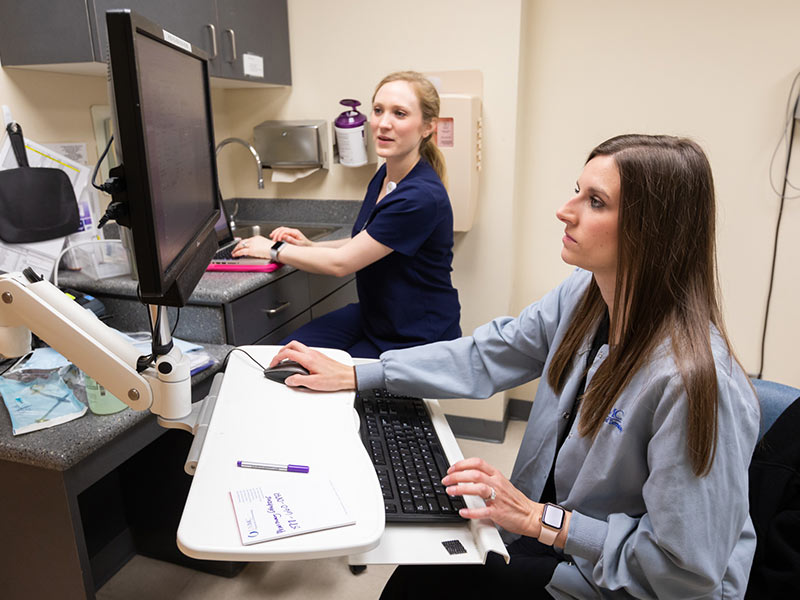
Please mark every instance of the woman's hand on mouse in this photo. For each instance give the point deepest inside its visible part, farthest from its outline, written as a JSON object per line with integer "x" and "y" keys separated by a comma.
{"x": 290, "y": 236}
{"x": 325, "y": 373}
{"x": 510, "y": 508}
{"x": 257, "y": 246}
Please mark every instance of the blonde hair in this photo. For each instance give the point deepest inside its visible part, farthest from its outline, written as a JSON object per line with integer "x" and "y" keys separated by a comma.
{"x": 429, "y": 103}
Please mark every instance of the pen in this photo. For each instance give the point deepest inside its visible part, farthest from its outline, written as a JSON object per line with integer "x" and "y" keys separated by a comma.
{"x": 246, "y": 464}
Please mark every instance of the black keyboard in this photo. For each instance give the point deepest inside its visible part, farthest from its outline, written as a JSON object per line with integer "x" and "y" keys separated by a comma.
{"x": 408, "y": 458}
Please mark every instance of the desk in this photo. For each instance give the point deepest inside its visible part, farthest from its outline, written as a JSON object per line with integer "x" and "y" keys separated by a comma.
{"x": 47, "y": 550}
{"x": 260, "y": 420}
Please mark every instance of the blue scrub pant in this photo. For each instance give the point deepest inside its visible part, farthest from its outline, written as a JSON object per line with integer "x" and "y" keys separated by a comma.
{"x": 342, "y": 329}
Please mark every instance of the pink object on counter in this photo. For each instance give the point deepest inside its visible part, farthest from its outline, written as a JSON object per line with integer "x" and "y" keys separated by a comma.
{"x": 267, "y": 268}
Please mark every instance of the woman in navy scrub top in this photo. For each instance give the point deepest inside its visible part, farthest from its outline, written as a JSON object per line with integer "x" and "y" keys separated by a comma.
{"x": 401, "y": 247}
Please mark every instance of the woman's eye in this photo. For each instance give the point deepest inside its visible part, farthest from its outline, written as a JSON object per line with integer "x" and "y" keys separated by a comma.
{"x": 376, "y": 111}
{"x": 577, "y": 190}
{"x": 400, "y": 113}
{"x": 596, "y": 202}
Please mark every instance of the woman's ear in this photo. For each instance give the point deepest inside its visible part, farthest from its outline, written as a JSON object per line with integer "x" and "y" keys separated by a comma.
{"x": 429, "y": 128}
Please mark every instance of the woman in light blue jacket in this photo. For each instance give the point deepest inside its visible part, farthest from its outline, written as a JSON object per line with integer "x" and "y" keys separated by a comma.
{"x": 631, "y": 480}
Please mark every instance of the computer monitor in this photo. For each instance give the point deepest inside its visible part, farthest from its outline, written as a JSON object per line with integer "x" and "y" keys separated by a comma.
{"x": 164, "y": 137}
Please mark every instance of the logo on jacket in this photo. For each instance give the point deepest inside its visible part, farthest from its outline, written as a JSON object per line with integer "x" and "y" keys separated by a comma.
{"x": 615, "y": 418}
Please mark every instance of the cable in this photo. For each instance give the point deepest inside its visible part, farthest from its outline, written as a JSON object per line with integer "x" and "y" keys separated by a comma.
{"x": 72, "y": 246}
{"x": 177, "y": 319}
{"x": 225, "y": 361}
{"x": 788, "y": 125}
{"x": 97, "y": 166}
{"x": 783, "y": 198}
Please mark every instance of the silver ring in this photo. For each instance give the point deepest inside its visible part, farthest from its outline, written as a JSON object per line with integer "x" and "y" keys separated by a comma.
{"x": 492, "y": 496}
{"x": 244, "y": 244}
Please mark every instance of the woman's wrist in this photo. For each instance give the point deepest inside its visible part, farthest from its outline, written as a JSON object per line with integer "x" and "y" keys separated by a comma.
{"x": 349, "y": 378}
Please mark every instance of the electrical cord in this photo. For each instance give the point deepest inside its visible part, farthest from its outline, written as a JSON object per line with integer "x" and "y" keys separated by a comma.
{"x": 231, "y": 351}
{"x": 788, "y": 125}
{"x": 72, "y": 246}
{"x": 788, "y": 134}
{"x": 101, "y": 187}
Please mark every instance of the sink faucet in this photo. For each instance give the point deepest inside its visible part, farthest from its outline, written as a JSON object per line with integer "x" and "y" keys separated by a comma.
{"x": 259, "y": 173}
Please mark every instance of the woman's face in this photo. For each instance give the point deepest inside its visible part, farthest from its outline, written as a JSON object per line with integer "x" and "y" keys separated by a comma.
{"x": 396, "y": 121}
{"x": 591, "y": 232}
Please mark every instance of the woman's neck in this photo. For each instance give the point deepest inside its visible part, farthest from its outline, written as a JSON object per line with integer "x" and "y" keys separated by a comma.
{"x": 607, "y": 283}
{"x": 397, "y": 169}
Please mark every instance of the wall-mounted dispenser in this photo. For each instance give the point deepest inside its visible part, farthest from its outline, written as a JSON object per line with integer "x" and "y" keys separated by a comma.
{"x": 292, "y": 144}
{"x": 458, "y": 136}
{"x": 351, "y": 140}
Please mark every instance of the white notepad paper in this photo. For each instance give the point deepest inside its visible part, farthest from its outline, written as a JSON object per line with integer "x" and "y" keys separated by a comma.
{"x": 298, "y": 505}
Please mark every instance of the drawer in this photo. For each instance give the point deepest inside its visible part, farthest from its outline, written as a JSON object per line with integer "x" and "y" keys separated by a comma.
{"x": 287, "y": 328}
{"x": 253, "y": 316}
{"x": 347, "y": 294}
{"x": 320, "y": 286}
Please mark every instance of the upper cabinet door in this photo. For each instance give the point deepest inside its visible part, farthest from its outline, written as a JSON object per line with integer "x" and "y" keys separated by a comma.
{"x": 192, "y": 20}
{"x": 65, "y": 36}
{"x": 254, "y": 41}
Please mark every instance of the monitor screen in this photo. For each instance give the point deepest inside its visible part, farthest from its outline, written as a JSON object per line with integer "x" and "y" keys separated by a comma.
{"x": 165, "y": 140}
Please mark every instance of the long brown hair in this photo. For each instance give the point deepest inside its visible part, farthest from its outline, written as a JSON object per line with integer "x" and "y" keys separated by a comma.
{"x": 666, "y": 285}
{"x": 429, "y": 104}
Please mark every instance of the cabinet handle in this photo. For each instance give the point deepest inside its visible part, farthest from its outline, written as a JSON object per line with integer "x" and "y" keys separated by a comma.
{"x": 274, "y": 311}
{"x": 232, "y": 35}
{"x": 213, "y": 41}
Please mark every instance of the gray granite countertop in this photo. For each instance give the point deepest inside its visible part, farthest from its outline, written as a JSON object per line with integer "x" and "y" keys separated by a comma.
{"x": 63, "y": 446}
{"x": 217, "y": 288}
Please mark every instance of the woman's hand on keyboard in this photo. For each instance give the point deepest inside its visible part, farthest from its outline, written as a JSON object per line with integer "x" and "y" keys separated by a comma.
{"x": 510, "y": 508}
{"x": 257, "y": 246}
{"x": 325, "y": 373}
{"x": 290, "y": 235}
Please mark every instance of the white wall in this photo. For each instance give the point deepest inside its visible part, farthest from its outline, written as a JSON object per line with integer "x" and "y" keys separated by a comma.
{"x": 717, "y": 71}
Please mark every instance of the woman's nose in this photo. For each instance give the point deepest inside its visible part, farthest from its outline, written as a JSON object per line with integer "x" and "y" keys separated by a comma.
{"x": 566, "y": 214}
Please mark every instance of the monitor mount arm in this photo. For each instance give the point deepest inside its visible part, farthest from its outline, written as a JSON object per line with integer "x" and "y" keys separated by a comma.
{"x": 28, "y": 303}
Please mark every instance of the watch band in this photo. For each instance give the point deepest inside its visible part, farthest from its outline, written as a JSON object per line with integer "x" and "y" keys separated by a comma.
{"x": 552, "y": 521}
{"x": 273, "y": 251}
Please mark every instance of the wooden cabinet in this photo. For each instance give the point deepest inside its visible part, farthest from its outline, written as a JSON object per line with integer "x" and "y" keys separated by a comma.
{"x": 247, "y": 40}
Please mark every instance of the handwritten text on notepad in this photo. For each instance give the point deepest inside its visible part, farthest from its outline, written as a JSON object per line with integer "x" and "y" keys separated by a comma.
{"x": 283, "y": 518}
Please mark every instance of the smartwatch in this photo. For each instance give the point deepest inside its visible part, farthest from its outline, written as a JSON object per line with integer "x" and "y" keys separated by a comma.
{"x": 273, "y": 252}
{"x": 552, "y": 522}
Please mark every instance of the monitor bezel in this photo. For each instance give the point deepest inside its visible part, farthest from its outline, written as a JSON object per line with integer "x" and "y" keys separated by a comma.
{"x": 168, "y": 285}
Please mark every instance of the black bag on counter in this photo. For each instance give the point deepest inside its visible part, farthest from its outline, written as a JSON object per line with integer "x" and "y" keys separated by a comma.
{"x": 36, "y": 203}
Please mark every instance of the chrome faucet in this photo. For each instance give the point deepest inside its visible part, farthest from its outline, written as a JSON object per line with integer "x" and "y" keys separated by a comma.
{"x": 259, "y": 173}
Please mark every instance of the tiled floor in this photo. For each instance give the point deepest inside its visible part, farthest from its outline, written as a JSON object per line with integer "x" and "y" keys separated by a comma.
{"x": 147, "y": 579}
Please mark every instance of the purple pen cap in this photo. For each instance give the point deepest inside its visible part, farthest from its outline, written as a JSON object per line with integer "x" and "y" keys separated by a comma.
{"x": 350, "y": 118}
{"x": 297, "y": 469}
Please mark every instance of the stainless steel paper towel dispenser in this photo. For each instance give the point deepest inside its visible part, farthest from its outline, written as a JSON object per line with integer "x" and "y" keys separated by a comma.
{"x": 292, "y": 144}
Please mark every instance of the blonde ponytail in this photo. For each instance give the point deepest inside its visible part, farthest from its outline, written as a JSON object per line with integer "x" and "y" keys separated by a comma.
{"x": 430, "y": 152}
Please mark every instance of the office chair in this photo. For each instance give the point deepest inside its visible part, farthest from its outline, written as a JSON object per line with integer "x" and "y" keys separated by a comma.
{"x": 775, "y": 494}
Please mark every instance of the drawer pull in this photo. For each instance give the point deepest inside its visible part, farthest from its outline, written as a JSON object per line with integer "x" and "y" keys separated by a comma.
{"x": 274, "y": 311}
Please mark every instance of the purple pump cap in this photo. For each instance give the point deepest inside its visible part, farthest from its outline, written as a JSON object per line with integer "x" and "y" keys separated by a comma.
{"x": 350, "y": 118}
{"x": 297, "y": 469}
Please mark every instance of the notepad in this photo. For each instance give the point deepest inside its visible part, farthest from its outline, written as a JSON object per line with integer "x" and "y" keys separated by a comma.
{"x": 296, "y": 505}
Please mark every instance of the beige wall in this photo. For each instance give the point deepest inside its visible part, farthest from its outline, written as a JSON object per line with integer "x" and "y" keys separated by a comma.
{"x": 559, "y": 77}
{"x": 718, "y": 71}
{"x": 52, "y": 107}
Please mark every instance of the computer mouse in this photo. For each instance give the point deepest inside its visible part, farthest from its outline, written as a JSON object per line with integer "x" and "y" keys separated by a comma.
{"x": 285, "y": 369}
